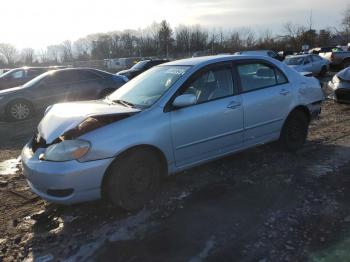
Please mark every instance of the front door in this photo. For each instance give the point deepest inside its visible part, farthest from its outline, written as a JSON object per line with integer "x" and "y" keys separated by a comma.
{"x": 213, "y": 126}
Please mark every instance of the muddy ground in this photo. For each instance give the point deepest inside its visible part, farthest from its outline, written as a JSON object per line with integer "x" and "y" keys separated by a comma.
{"x": 260, "y": 205}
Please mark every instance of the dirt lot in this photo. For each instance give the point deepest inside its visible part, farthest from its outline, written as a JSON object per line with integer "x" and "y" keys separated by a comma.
{"x": 260, "y": 205}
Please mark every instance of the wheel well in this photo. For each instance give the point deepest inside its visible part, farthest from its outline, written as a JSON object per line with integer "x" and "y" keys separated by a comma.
{"x": 151, "y": 149}
{"x": 303, "y": 109}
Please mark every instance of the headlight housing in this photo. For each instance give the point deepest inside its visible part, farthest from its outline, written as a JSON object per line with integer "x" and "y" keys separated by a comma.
{"x": 66, "y": 150}
{"x": 335, "y": 79}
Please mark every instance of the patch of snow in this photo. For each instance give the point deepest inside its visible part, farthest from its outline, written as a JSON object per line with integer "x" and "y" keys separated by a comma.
{"x": 10, "y": 167}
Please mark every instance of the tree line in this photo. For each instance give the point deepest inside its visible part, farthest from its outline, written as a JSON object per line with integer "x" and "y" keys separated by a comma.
{"x": 161, "y": 40}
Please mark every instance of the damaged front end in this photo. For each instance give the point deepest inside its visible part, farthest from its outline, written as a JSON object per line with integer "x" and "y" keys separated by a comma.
{"x": 68, "y": 146}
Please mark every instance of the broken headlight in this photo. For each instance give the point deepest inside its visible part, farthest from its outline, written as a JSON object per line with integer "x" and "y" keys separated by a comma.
{"x": 335, "y": 79}
{"x": 66, "y": 150}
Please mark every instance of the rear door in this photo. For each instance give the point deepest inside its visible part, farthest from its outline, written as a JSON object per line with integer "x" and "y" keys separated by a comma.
{"x": 266, "y": 97}
{"x": 214, "y": 125}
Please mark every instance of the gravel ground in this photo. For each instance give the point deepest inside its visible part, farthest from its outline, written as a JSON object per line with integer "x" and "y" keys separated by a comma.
{"x": 259, "y": 205}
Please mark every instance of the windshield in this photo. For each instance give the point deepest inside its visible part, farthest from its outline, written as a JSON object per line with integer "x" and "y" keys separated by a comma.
{"x": 144, "y": 90}
{"x": 37, "y": 79}
{"x": 140, "y": 65}
{"x": 294, "y": 60}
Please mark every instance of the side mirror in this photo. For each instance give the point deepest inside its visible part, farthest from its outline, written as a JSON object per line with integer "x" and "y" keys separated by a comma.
{"x": 185, "y": 100}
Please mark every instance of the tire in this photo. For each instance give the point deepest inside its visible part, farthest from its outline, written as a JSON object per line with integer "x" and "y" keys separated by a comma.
{"x": 133, "y": 179}
{"x": 294, "y": 131}
{"x": 323, "y": 71}
{"x": 19, "y": 110}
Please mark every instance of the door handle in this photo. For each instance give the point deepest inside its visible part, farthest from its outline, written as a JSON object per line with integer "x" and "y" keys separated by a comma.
{"x": 284, "y": 92}
{"x": 234, "y": 105}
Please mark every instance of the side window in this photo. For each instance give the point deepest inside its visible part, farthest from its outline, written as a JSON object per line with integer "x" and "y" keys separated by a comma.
{"x": 31, "y": 73}
{"x": 258, "y": 75}
{"x": 316, "y": 58}
{"x": 87, "y": 75}
{"x": 307, "y": 60}
{"x": 18, "y": 74}
{"x": 213, "y": 84}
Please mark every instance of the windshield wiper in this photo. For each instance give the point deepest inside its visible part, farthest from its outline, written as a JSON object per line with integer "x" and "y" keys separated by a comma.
{"x": 124, "y": 103}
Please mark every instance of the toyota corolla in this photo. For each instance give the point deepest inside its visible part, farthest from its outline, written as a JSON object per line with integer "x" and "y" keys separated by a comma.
{"x": 170, "y": 118}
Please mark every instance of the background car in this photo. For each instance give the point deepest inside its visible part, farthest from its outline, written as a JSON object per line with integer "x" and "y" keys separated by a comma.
{"x": 71, "y": 84}
{"x": 20, "y": 76}
{"x": 140, "y": 67}
{"x": 268, "y": 53}
{"x": 308, "y": 63}
{"x": 339, "y": 86}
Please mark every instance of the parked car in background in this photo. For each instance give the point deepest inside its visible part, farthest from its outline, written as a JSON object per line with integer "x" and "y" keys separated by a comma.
{"x": 339, "y": 86}
{"x": 4, "y": 70}
{"x": 284, "y": 54}
{"x": 172, "y": 117}
{"x": 308, "y": 63}
{"x": 20, "y": 103}
{"x": 324, "y": 49}
{"x": 268, "y": 53}
{"x": 337, "y": 58}
{"x": 141, "y": 67}
{"x": 19, "y": 76}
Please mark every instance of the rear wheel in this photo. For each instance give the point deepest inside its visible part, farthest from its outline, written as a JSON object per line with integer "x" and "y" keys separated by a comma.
{"x": 133, "y": 179}
{"x": 19, "y": 110}
{"x": 294, "y": 131}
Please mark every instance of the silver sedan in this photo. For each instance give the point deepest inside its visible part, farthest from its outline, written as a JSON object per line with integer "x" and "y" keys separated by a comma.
{"x": 168, "y": 119}
{"x": 308, "y": 63}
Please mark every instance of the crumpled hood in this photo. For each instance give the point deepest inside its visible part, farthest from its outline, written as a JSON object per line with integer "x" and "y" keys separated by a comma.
{"x": 11, "y": 90}
{"x": 66, "y": 116}
{"x": 344, "y": 74}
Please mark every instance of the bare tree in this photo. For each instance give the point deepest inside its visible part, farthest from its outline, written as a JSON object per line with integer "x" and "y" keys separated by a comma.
{"x": 27, "y": 56}
{"x": 9, "y": 52}
{"x": 53, "y": 53}
{"x": 66, "y": 51}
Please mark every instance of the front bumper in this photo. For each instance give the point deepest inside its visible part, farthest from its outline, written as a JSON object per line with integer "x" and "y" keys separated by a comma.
{"x": 74, "y": 181}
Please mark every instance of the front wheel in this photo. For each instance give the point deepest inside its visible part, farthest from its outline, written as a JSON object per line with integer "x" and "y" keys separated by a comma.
{"x": 133, "y": 179}
{"x": 19, "y": 110}
{"x": 294, "y": 131}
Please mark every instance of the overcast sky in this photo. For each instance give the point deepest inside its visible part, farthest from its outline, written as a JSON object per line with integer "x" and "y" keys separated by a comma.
{"x": 38, "y": 23}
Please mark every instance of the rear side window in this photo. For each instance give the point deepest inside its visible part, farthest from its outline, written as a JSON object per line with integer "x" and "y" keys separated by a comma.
{"x": 18, "y": 74}
{"x": 258, "y": 75}
{"x": 316, "y": 58}
{"x": 31, "y": 73}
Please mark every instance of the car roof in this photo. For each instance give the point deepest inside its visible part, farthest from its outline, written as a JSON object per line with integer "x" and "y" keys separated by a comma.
{"x": 195, "y": 61}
